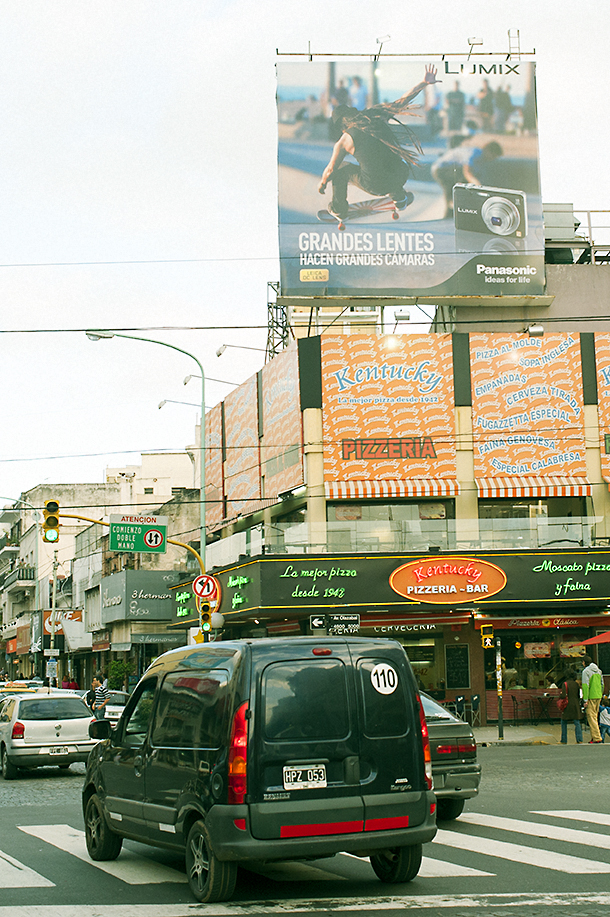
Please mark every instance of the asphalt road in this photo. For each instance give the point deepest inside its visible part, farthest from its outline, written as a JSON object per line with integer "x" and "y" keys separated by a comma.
{"x": 537, "y": 838}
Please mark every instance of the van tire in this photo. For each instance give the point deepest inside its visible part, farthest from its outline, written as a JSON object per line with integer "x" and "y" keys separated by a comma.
{"x": 210, "y": 879}
{"x": 448, "y": 809}
{"x": 398, "y": 864}
{"x": 102, "y": 842}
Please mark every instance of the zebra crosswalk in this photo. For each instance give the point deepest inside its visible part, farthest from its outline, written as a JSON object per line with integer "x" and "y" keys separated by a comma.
{"x": 475, "y": 848}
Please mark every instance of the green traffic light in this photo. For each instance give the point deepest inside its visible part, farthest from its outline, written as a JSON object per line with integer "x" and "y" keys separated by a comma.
{"x": 50, "y": 535}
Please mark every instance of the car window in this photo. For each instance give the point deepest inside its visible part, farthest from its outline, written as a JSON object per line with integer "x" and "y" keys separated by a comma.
{"x": 118, "y": 698}
{"x": 191, "y": 710}
{"x": 383, "y": 695}
{"x": 53, "y": 708}
{"x": 305, "y": 700}
{"x": 434, "y": 711}
{"x": 6, "y": 710}
{"x": 136, "y": 725}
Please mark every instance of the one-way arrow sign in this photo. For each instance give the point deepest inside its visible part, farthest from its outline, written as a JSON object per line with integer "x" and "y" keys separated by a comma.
{"x": 317, "y": 621}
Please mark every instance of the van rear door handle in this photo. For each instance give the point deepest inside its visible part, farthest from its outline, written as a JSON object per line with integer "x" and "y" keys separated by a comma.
{"x": 138, "y": 761}
{"x": 351, "y": 770}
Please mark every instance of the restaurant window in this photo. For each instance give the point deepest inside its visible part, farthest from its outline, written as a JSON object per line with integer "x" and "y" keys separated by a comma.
{"x": 391, "y": 526}
{"x": 428, "y": 664}
{"x": 534, "y": 659}
{"x": 531, "y": 507}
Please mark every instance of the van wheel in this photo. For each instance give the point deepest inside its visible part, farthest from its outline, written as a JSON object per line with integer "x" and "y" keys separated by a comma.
{"x": 398, "y": 864}
{"x": 448, "y": 809}
{"x": 210, "y": 879}
{"x": 9, "y": 771}
{"x": 102, "y": 843}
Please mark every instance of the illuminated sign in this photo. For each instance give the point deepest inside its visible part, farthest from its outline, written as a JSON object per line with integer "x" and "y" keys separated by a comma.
{"x": 447, "y": 581}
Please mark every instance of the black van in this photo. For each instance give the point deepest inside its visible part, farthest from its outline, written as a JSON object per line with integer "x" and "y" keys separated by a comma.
{"x": 270, "y": 749}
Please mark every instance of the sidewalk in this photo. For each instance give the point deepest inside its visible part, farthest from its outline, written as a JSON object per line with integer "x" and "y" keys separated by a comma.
{"x": 543, "y": 734}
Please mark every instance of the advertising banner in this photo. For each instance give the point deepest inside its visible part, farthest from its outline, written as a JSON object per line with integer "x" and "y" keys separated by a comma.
{"x": 602, "y": 362}
{"x": 214, "y": 485}
{"x": 527, "y": 405}
{"x": 497, "y": 579}
{"x": 242, "y": 465}
{"x": 409, "y": 178}
{"x": 388, "y": 407}
{"x": 282, "y": 444}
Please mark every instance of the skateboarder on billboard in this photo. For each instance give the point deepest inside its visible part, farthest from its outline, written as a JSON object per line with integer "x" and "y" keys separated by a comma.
{"x": 383, "y": 163}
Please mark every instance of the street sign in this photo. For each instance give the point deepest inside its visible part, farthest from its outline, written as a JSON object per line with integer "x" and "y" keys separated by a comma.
{"x": 206, "y": 587}
{"x": 317, "y": 622}
{"x": 343, "y": 624}
{"x": 143, "y": 533}
{"x": 51, "y": 652}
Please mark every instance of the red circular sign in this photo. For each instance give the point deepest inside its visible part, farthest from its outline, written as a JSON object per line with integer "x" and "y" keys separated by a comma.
{"x": 206, "y": 587}
{"x": 447, "y": 580}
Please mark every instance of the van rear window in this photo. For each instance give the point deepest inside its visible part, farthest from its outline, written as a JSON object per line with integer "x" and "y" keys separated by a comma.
{"x": 191, "y": 710}
{"x": 383, "y": 693}
{"x": 305, "y": 700}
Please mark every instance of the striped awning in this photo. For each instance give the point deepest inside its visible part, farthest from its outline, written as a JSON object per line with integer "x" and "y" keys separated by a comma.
{"x": 533, "y": 487}
{"x": 415, "y": 487}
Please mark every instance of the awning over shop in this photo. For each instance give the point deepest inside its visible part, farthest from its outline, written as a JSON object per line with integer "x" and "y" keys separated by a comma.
{"x": 533, "y": 487}
{"x": 415, "y": 487}
{"x": 394, "y": 620}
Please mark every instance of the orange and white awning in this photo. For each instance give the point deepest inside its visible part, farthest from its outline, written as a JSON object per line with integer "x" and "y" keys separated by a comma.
{"x": 533, "y": 487}
{"x": 415, "y": 487}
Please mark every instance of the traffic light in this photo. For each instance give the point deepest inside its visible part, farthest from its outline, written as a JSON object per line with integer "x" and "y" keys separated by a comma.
{"x": 487, "y": 636}
{"x": 50, "y": 525}
{"x": 205, "y": 616}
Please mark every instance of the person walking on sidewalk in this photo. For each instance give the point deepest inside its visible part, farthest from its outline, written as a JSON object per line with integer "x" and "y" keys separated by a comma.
{"x": 570, "y": 690}
{"x": 592, "y": 690}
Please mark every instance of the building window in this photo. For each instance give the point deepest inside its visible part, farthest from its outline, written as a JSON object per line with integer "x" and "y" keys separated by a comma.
{"x": 149, "y": 490}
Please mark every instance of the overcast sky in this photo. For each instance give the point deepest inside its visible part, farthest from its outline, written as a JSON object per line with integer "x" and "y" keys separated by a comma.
{"x": 145, "y": 132}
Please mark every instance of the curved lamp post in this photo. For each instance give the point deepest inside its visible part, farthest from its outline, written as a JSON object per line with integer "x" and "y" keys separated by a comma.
{"x": 99, "y": 335}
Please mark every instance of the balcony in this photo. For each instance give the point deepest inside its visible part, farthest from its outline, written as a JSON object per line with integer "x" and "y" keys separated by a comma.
{"x": 408, "y": 536}
{"x": 19, "y": 583}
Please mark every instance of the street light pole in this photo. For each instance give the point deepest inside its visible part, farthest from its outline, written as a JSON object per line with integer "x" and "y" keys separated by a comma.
{"x": 99, "y": 335}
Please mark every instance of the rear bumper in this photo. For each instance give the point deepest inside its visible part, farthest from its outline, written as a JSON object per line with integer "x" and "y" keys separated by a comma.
{"x": 42, "y": 756}
{"x": 460, "y": 781}
{"x": 231, "y": 842}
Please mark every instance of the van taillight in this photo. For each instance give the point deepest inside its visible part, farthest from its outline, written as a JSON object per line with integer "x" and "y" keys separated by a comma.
{"x": 238, "y": 754}
{"x": 426, "y": 743}
{"x": 18, "y": 730}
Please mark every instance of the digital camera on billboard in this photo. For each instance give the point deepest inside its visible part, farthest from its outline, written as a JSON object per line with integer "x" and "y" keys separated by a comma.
{"x": 500, "y": 211}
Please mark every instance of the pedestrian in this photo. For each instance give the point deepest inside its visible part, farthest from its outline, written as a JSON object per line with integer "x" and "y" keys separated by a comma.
{"x": 100, "y": 698}
{"x": 604, "y": 718}
{"x": 592, "y": 691}
{"x": 572, "y": 713}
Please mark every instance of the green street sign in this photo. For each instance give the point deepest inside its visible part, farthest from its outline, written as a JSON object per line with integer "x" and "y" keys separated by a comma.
{"x": 144, "y": 533}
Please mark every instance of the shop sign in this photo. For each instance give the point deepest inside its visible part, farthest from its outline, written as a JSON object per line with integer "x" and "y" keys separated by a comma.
{"x": 447, "y": 580}
{"x": 100, "y": 641}
{"x": 23, "y": 640}
{"x": 138, "y": 594}
{"x": 571, "y": 650}
{"x": 405, "y": 629}
{"x": 544, "y": 622}
{"x": 156, "y": 638}
{"x": 11, "y": 645}
{"x": 536, "y": 650}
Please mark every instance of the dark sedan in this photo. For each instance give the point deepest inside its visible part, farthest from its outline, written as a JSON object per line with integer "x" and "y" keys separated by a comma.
{"x": 455, "y": 771}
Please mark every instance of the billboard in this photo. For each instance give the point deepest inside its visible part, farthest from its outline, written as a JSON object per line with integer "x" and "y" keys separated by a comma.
{"x": 213, "y": 454}
{"x": 388, "y": 407}
{"x": 527, "y": 405}
{"x": 602, "y": 362}
{"x": 282, "y": 443}
{"x": 430, "y": 170}
{"x": 242, "y": 465}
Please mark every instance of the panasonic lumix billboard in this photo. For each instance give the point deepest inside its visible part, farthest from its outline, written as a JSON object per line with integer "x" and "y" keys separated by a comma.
{"x": 409, "y": 178}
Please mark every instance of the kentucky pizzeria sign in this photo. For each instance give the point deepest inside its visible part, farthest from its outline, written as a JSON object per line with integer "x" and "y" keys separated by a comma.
{"x": 447, "y": 580}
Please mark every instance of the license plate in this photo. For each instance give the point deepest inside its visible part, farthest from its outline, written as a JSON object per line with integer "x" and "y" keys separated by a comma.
{"x": 59, "y": 750}
{"x": 305, "y": 777}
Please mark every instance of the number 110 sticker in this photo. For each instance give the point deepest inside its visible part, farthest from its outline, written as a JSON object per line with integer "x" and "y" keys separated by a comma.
{"x": 384, "y": 678}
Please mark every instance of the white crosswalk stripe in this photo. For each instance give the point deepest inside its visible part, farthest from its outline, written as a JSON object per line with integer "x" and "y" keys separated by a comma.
{"x": 14, "y": 874}
{"x": 130, "y": 868}
{"x": 591, "y": 818}
{"x": 520, "y": 826}
{"x": 532, "y": 856}
{"x": 436, "y": 869}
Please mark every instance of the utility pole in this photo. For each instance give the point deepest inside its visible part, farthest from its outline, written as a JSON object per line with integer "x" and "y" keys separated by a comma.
{"x": 499, "y": 687}
{"x": 53, "y": 613}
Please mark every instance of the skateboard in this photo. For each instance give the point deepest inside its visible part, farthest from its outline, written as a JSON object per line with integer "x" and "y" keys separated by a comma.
{"x": 364, "y": 209}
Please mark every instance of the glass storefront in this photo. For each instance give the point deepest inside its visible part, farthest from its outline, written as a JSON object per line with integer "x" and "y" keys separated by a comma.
{"x": 535, "y": 659}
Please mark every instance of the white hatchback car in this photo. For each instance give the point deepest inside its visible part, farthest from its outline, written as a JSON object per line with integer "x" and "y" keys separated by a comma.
{"x": 38, "y": 730}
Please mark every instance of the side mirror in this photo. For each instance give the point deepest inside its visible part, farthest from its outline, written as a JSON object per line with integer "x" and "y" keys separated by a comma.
{"x": 100, "y": 729}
